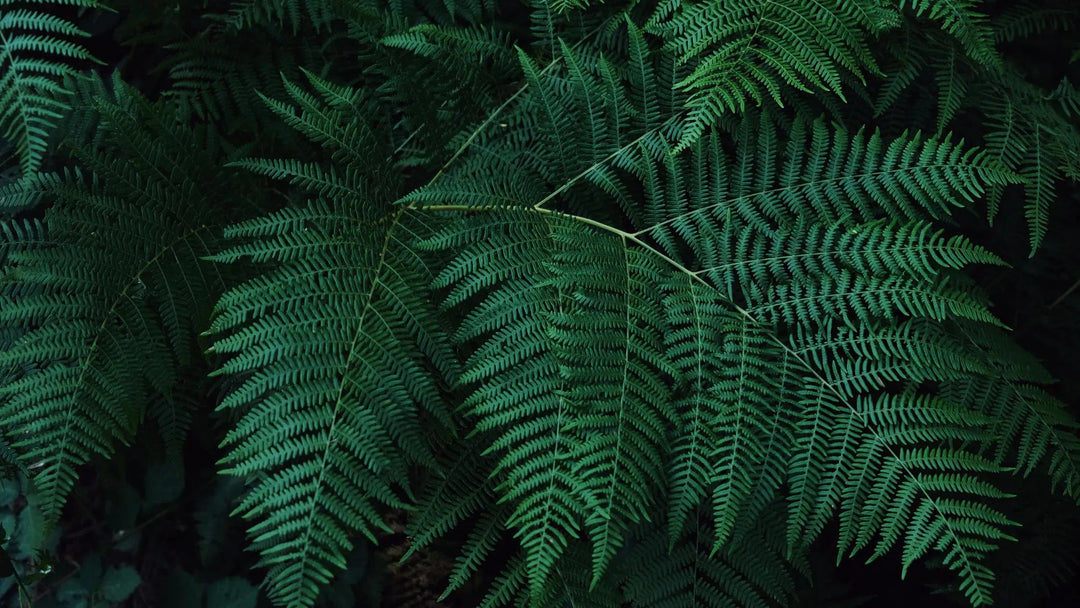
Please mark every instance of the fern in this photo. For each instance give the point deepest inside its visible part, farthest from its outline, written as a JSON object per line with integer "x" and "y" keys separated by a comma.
{"x": 1026, "y": 20}
{"x": 347, "y": 377}
{"x": 571, "y": 382}
{"x": 966, "y": 24}
{"x": 746, "y": 52}
{"x": 249, "y": 13}
{"x": 1034, "y": 139}
{"x": 37, "y": 50}
{"x": 354, "y": 387}
{"x": 105, "y": 300}
{"x": 639, "y": 304}
{"x": 1027, "y": 129}
{"x": 755, "y": 572}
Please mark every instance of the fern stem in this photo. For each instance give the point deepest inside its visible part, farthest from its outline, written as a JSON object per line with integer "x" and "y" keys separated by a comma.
{"x": 795, "y": 187}
{"x": 334, "y": 417}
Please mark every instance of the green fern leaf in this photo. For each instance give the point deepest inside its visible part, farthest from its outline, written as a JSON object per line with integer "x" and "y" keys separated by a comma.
{"x": 326, "y": 333}
{"x": 1033, "y": 137}
{"x": 251, "y": 13}
{"x": 960, "y": 19}
{"x": 109, "y": 297}
{"x": 763, "y": 324}
{"x": 37, "y": 51}
{"x": 353, "y": 395}
{"x": 608, "y": 336}
{"x": 746, "y": 52}
{"x": 520, "y": 380}
{"x": 753, "y": 573}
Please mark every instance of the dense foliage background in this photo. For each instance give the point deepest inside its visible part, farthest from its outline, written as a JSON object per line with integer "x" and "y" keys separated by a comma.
{"x": 184, "y": 185}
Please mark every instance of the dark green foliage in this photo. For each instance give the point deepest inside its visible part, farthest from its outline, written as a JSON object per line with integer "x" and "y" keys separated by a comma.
{"x": 570, "y": 304}
{"x": 104, "y": 335}
{"x": 310, "y": 364}
{"x": 37, "y": 50}
{"x": 742, "y": 53}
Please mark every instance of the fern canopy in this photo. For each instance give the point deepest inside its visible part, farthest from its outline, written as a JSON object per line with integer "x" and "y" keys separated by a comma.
{"x": 699, "y": 351}
{"x": 616, "y": 304}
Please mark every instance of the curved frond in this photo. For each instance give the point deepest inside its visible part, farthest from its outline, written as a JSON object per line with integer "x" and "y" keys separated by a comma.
{"x": 108, "y": 296}
{"x": 744, "y": 53}
{"x": 37, "y": 51}
{"x": 331, "y": 397}
{"x": 331, "y": 400}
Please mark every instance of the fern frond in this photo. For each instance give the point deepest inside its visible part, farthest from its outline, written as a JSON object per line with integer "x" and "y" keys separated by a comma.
{"x": 519, "y": 377}
{"x": 745, "y": 395}
{"x": 654, "y": 328}
{"x": 900, "y": 68}
{"x": 734, "y": 389}
{"x": 172, "y": 413}
{"x": 1036, "y": 567}
{"x": 27, "y": 191}
{"x": 829, "y": 175}
{"x": 868, "y": 464}
{"x": 914, "y": 250}
{"x": 851, "y": 298}
{"x": 746, "y": 52}
{"x": 109, "y": 298}
{"x": 477, "y": 547}
{"x": 1031, "y": 428}
{"x": 462, "y": 490}
{"x": 321, "y": 181}
{"x": 212, "y": 83}
{"x": 964, "y": 22}
{"x": 37, "y": 51}
{"x": 248, "y": 14}
{"x": 952, "y": 87}
{"x": 753, "y": 573}
{"x": 440, "y": 43}
{"x": 1033, "y": 137}
{"x": 326, "y": 334}
{"x": 352, "y": 394}
{"x": 1027, "y": 19}
{"x": 607, "y": 335}
{"x": 865, "y": 358}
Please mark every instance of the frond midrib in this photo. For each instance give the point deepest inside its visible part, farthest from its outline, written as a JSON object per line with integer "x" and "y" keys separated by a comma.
{"x": 309, "y": 525}
{"x": 54, "y": 502}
